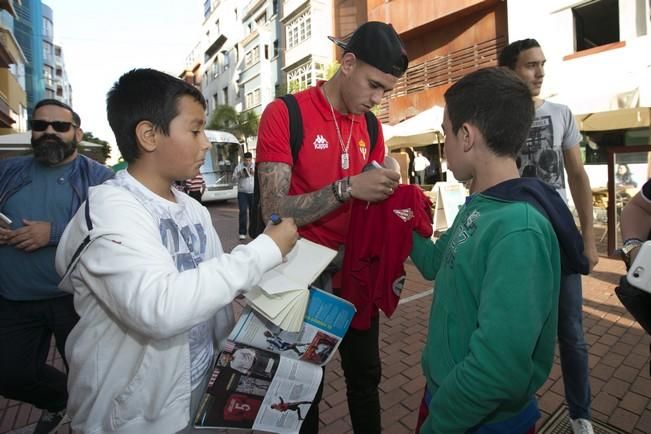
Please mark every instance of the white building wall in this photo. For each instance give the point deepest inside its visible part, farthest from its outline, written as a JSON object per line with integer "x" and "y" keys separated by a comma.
{"x": 317, "y": 49}
{"x": 602, "y": 81}
{"x": 262, "y": 76}
{"x": 226, "y": 13}
{"x": 237, "y": 24}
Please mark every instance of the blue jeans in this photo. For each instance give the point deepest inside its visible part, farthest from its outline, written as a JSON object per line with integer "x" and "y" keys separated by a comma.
{"x": 573, "y": 348}
{"x": 245, "y": 202}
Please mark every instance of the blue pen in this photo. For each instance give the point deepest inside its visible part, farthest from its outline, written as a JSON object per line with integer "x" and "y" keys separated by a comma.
{"x": 276, "y": 219}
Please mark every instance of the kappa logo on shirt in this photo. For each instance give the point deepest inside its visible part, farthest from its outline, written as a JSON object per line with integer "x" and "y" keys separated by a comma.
{"x": 320, "y": 142}
{"x": 405, "y": 214}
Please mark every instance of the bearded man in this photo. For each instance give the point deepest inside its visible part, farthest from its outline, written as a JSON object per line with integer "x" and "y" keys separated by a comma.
{"x": 39, "y": 194}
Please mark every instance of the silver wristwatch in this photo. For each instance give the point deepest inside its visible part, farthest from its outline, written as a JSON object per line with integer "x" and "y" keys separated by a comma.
{"x": 628, "y": 247}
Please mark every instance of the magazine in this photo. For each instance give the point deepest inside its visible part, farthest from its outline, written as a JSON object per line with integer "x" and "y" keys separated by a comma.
{"x": 266, "y": 378}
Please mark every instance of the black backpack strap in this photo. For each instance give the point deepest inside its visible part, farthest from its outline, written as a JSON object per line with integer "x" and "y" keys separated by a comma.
{"x": 371, "y": 126}
{"x": 295, "y": 121}
{"x": 295, "y": 124}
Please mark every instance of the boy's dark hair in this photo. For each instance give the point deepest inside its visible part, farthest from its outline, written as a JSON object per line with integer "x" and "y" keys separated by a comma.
{"x": 248, "y": 155}
{"x": 498, "y": 103}
{"x": 144, "y": 95}
{"x": 50, "y": 101}
{"x": 509, "y": 55}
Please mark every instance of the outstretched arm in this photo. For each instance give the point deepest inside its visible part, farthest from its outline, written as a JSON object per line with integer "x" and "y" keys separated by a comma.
{"x": 373, "y": 185}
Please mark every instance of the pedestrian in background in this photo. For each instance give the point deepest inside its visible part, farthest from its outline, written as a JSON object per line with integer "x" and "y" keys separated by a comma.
{"x": 40, "y": 193}
{"x": 244, "y": 176}
{"x": 195, "y": 187}
{"x": 421, "y": 163}
{"x": 552, "y": 149}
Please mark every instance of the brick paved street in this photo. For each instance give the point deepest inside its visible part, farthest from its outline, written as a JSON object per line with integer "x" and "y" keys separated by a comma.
{"x": 619, "y": 358}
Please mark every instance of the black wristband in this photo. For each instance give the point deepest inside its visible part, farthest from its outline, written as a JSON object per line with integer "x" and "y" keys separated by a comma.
{"x": 335, "y": 192}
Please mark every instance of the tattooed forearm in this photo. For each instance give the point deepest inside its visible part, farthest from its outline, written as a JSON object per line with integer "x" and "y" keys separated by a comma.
{"x": 274, "y": 181}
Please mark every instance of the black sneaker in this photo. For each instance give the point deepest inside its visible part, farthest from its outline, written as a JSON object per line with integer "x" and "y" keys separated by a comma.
{"x": 50, "y": 422}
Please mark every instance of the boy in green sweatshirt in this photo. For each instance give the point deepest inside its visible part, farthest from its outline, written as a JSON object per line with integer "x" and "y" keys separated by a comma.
{"x": 493, "y": 320}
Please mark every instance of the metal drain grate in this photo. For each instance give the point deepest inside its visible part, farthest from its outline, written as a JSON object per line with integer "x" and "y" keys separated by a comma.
{"x": 559, "y": 423}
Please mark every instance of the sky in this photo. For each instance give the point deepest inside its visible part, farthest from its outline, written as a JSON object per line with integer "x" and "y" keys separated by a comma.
{"x": 101, "y": 40}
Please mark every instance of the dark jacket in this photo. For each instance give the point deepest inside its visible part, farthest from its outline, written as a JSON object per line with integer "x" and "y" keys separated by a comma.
{"x": 15, "y": 174}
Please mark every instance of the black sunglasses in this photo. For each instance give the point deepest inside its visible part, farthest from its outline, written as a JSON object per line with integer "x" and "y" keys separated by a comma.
{"x": 59, "y": 126}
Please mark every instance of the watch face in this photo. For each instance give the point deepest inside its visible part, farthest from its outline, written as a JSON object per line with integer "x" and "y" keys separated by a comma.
{"x": 627, "y": 249}
{"x": 630, "y": 246}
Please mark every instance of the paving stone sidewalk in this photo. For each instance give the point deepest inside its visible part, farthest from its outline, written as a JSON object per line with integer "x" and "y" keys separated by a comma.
{"x": 619, "y": 358}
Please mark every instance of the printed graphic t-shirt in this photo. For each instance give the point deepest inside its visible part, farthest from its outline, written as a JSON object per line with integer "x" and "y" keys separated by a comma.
{"x": 184, "y": 236}
{"x": 553, "y": 131}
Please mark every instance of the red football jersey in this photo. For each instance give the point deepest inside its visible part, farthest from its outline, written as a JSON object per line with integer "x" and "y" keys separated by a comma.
{"x": 241, "y": 408}
{"x": 379, "y": 241}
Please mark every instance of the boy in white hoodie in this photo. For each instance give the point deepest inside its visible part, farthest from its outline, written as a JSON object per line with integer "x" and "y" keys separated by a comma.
{"x": 151, "y": 283}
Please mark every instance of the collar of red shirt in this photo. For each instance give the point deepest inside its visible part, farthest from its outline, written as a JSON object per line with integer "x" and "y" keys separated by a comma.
{"x": 323, "y": 106}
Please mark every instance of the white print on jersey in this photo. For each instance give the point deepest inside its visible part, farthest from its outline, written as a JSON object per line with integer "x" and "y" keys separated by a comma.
{"x": 320, "y": 142}
{"x": 398, "y": 285}
{"x": 405, "y": 214}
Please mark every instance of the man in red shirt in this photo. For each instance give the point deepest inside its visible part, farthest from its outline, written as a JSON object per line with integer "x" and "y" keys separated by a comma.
{"x": 316, "y": 188}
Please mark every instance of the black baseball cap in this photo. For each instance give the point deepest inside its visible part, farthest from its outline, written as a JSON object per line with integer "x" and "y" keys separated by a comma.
{"x": 379, "y": 45}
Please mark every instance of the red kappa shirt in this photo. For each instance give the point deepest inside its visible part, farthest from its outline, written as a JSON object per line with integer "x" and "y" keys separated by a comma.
{"x": 319, "y": 160}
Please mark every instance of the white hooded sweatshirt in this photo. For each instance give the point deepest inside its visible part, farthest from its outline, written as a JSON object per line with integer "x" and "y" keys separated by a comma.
{"x": 129, "y": 355}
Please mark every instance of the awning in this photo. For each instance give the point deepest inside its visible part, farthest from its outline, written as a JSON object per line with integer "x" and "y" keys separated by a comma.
{"x": 638, "y": 117}
{"x": 422, "y": 129}
{"x": 25, "y": 138}
{"x": 602, "y": 103}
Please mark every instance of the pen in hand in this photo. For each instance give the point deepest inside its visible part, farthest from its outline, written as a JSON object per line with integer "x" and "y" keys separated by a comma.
{"x": 276, "y": 220}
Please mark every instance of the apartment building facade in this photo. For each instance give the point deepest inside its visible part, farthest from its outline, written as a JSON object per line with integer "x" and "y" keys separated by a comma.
{"x": 260, "y": 70}
{"x": 44, "y": 69}
{"x": 13, "y": 98}
{"x": 217, "y": 55}
{"x": 62, "y": 86}
{"x": 308, "y": 52}
{"x": 27, "y": 28}
{"x": 251, "y": 52}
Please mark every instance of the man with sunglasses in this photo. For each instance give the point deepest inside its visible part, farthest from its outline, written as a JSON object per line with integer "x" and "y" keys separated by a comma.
{"x": 40, "y": 193}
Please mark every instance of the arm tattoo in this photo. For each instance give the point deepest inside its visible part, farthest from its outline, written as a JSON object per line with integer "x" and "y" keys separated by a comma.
{"x": 304, "y": 208}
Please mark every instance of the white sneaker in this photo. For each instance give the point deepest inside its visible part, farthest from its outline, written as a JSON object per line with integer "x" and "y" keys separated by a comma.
{"x": 581, "y": 426}
{"x": 242, "y": 237}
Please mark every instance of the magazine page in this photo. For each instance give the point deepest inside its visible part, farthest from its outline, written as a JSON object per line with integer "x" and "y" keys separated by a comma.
{"x": 326, "y": 320}
{"x": 256, "y": 389}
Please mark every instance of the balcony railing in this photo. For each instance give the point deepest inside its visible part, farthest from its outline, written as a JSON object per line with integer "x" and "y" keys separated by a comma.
{"x": 444, "y": 70}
